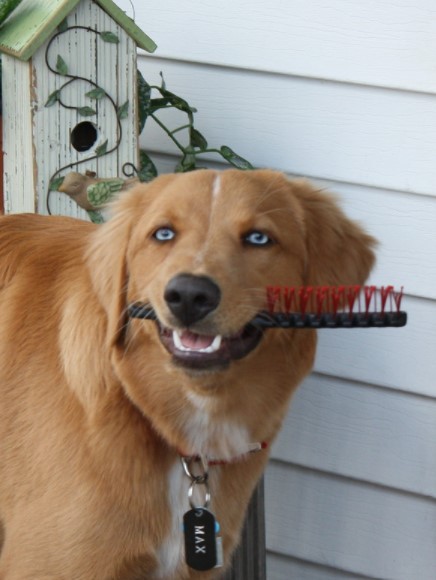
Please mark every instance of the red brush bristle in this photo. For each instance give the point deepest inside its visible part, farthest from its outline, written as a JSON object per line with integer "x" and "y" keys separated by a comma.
{"x": 289, "y": 299}
{"x": 333, "y": 299}
{"x": 305, "y": 294}
{"x": 369, "y": 292}
{"x": 274, "y": 297}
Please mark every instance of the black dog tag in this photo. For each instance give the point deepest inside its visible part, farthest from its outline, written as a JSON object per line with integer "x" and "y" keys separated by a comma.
{"x": 200, "y": 529}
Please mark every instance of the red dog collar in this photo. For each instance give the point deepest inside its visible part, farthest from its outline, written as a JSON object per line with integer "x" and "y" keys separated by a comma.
{"x": 252, "y": 448}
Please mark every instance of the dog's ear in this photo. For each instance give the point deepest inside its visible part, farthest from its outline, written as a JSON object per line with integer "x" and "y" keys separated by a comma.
{"x": 339, "y": 251}
{"x": 107, "y": 262}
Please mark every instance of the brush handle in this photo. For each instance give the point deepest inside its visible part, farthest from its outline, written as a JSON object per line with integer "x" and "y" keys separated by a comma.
{"x": 140, "y": 310}
{"x": 295, "y": 320}
{"x": 328, "y": 320}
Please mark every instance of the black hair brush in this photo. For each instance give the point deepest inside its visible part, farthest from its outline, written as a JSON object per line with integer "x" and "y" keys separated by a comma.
{"x": 320, "y": 307}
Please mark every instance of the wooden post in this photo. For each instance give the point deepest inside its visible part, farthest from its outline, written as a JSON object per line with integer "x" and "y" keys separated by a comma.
{"x": 249, "y": 561}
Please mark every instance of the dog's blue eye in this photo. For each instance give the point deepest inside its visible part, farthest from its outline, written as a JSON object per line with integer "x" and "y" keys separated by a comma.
{"x": 257, "y": 239}
{"x": 164, "y": 234}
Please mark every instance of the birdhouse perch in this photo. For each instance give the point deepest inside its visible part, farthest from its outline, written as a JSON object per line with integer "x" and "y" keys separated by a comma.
{"x": 69, "y": 98}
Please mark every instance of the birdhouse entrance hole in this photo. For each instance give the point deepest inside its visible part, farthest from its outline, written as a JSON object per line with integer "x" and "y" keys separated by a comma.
{"x": 83, "y": 136}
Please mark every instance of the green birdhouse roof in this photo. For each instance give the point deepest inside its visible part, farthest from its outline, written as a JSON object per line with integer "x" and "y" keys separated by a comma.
{"x": 34, "y": 21}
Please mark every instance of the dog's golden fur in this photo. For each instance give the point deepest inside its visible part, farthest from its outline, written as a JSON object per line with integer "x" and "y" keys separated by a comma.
{"x": 94, "y": 411}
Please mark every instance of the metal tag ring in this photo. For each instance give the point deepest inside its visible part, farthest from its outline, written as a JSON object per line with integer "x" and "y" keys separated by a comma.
{"x": 207, "y": 497}
{"x": 188, "y": 461}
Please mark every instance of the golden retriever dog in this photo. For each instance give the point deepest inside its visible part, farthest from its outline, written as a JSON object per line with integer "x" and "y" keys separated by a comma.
{"x": 97, "y": 408}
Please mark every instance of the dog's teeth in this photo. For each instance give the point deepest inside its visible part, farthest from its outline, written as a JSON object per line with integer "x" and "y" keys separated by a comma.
{"x": 213, "y": 347}
{"x": 178, "y": 341}
{"x": 216, "y": 344}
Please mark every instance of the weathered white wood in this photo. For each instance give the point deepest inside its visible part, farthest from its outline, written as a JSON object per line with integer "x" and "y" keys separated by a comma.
{"x": 18, "y": 178}
{"x": 354, "y": 430}
{"x": 377, "y": 43}
{"x": 283, "y": 568}
{"x": 340, "y": 132}
{"x": 53, "y": 125}
{"x": 120, "y": 83}
{"x": 350, "y": 526}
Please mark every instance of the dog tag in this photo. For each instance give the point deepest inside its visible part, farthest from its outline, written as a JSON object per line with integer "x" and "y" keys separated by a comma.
{"x": 201, "y": 546}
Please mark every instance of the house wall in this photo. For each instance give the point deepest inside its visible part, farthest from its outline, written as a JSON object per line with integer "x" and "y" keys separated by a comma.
{"x": 344, "y": 93}
{"x": 45, "y": 132}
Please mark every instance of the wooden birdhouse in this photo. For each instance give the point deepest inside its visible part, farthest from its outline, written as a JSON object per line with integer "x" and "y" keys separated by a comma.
{"x": 69, "y": 81}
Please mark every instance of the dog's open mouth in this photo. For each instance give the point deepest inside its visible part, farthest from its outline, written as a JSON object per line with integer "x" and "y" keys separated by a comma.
{"x": 199, "y": 351}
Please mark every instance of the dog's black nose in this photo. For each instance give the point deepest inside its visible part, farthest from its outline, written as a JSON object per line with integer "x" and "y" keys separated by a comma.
{"x": 190, "y": 298}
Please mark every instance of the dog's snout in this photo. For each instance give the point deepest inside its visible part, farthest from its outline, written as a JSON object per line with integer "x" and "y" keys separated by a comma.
{"x": 190, "y": 298}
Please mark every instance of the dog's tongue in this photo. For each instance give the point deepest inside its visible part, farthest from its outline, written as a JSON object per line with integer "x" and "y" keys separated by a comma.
{"x": 195, "y": 341}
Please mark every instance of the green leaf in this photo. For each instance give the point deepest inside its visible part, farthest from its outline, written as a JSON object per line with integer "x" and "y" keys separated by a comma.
{"x": 123, "y": 111}
{"x": 159, "y": 103}
{"x": 101, "y": 192}
{"x": 234, "y": 159}
{"x": 96, "y": 94}
{"x": 63, "y": 26}
{"x": 197, "y": 139}
{"x": 144, "y": 94}
{"x": 147, "y": 170}
{"x": 177, "y": 101}
{"x": 56, "y": 183}
{"x": 61, "y": 66}
{"x": 86, "y": 111}
{"x": 96, "y": 217}
{"x": 108, "y": 36}
{"x": 101, "y": 149}
{"x": 53, "y": 98}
